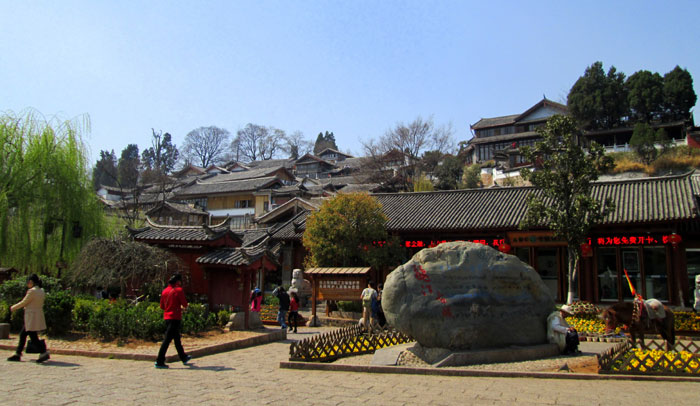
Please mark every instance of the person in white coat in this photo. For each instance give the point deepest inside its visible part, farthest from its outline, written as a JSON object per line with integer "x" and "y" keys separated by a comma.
{"x": 34, "y": 321}
{"x": 560, "y": 333}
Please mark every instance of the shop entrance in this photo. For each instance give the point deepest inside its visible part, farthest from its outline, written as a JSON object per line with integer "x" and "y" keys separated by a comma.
{"x": 647, "y": 269}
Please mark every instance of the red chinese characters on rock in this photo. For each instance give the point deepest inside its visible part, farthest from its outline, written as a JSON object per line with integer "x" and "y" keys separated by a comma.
{"x": 426, "y": 289}
{"x": 420, "y": 273}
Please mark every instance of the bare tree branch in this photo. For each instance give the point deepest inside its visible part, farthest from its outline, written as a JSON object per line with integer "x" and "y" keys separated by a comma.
{"x": 206, "y": 145}
{"x": 255, "y": 142}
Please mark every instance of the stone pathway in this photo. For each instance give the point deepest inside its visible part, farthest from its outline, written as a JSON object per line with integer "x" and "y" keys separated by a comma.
{"x": 139, "y": 346}
{"x": 252, "y": 376}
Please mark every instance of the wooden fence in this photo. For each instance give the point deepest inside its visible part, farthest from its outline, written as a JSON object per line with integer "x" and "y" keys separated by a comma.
{"x": 624, "y": 358}
{"x": 343, "y": 342}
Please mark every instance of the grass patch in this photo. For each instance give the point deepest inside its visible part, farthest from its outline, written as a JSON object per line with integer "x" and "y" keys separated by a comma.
{"x": 677, "y": 160}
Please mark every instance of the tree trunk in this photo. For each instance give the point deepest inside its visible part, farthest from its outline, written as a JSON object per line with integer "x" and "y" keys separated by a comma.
{"x": 573, "y": 265}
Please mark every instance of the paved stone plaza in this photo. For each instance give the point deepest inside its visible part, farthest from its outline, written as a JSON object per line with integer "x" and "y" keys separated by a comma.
{"x": 252, "y": 376}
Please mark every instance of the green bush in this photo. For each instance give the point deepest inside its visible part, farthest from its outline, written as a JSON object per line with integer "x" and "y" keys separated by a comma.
{"x": 82, "y": 311}
{"x": 146, "y": 321}
{"x": 350, "y": 306}
{"x": 197, "y": 318}
{"x": 271, "y": 300}
{"x": 58, "y": 310}
{"x": 109, "y": 320}
{"x": 14, "y": 290}
{"x": 4, "y": 312}
{"x": 222, "y": 317}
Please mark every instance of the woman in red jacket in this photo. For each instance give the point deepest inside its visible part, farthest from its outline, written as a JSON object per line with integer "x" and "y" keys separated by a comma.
{"x": 172, "y": 301}
{"x": 293, "y": 311}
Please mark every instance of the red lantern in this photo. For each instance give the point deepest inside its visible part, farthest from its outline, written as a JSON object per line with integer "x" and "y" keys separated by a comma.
{"x": 586, "y": 250}
{"x": 674, "y": 239}
{"x": 504, "y": 247}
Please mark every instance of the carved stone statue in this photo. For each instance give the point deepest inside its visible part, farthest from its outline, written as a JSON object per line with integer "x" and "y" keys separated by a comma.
{"x": 300, "y": 285}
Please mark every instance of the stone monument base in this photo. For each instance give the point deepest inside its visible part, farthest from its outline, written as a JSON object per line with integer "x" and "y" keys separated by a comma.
{"x": 440, "y": 357}
{"x": 4, "y": 330}
{"x": 313, "y": 321}
{"x": 237, "y": 321}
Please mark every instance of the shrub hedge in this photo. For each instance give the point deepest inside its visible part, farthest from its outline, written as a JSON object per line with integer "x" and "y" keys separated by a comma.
{"x": 100, "y": 318}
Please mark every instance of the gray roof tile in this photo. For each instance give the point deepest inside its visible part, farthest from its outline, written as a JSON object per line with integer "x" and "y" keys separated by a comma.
{"x": 665, "y": 199}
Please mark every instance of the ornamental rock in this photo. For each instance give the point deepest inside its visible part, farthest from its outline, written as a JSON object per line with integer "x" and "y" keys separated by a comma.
{"x": 464, "y": 296}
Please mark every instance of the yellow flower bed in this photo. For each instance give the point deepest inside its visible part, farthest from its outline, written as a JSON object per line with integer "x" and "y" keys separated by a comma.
{"x": 683, "y": 321}
{"x": 687, "y": 321}
{"x": 659, "y": 361}
{"x": 588, "y": 324}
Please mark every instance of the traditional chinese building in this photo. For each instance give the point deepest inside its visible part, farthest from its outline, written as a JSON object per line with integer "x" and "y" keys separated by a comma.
{"x": 223, "y": 265}
{"x": 653, "y": 232}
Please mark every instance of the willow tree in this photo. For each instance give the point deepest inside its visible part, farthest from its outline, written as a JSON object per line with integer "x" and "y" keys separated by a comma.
{"x": 564, "y": 172}
{"x": 47, "y": 205}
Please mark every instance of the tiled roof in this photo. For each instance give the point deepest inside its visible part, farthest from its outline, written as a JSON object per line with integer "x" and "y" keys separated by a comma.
{"x": 179, "y": 207}
{"x": 292, "y": 229}
{"x": 337, "y": 271}
{"x": 504, "y": 137}
{"x": 649, "y": 200}
{"x": 208, "y": 188}
{"x": 237, "y": 256}
{"x": 495, "y": 208}
{"x": 670, "y": 198}
{"x": 310, "y": 158}
{"x": 155, "y": 232}
{"x": 243, "y": 175}
{"x": 353, "y": 162}
{"x": 271, "y": 163}
{"x": 513, "y": 118}
{"x": 495, "y": 121}
{"x": 359, "y": 187}
{"x": 253, "y": 237}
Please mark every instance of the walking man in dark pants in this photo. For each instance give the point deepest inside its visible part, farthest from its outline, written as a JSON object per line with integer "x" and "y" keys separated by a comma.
{"x": 172, "y": 301}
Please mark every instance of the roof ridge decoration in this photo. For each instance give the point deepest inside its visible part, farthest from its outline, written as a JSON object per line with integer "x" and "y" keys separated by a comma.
{"x": 647, "y": 179}
{"x": 594, "y": 183}
{"x": 200, "y": 182}
{"x": 152, "y": 224}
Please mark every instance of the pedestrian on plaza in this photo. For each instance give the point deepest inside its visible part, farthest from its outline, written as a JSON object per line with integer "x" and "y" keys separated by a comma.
{"x": 377, "y": 312}
{"x": 256, "y": 297}
{"x": 696, "y": 305}
{"x": 560, "y": 333}
{"x": 283, "y": 297}
{"x": 293, "y": 311}
{"x": 368, "y": 296}
{"x": 173, "y": 302}
{"x": 34, "y": 321}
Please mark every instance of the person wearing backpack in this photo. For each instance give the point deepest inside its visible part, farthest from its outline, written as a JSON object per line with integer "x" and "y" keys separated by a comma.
{"x": 368, "y": 296}
{"x": 283, "y": 297}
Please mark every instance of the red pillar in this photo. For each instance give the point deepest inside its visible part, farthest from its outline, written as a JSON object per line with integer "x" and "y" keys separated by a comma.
{"x": 244, "y": 299}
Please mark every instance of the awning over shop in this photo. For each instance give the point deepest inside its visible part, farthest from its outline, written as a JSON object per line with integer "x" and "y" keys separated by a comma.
{"x": 338, "y": 271}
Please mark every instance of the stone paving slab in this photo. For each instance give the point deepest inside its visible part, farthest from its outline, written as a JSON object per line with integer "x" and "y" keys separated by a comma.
{"x": 477, "y": 373}
{"x": 147, "y": 351}
{"x": 252, "y": 375}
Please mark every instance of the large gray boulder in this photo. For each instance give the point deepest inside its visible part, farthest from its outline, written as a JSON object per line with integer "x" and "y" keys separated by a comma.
{"x": 462, "y": 295}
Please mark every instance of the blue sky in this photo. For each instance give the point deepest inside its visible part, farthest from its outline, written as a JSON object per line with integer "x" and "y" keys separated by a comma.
{"x": 352, "y": 67}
